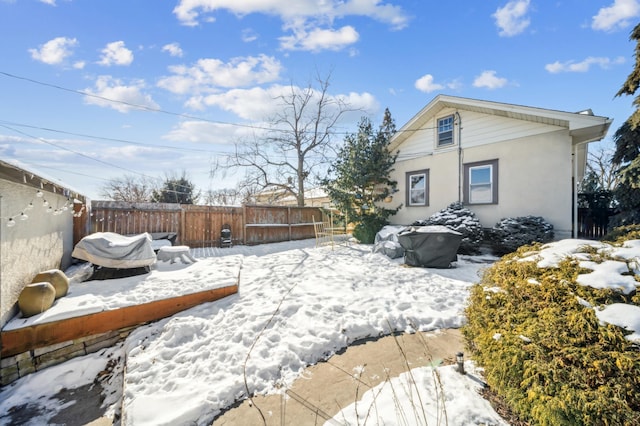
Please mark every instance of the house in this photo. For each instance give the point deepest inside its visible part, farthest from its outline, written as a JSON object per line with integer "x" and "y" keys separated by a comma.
{"x": 313, "y": 197}
{"x": 500, "y": 160}
{"x": 36, "y": 230}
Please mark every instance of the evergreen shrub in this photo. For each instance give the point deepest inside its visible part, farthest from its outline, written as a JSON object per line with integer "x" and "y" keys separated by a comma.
{"x": 510, "y": 233}
{"x": 621, "y": 233}
{"x": 366, "y": 230}
{"x": 544, "y": 351}
{"x": 462, "y": 220}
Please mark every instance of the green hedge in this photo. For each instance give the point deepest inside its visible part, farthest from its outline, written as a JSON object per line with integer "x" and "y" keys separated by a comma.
{"x": 545, "y": 352}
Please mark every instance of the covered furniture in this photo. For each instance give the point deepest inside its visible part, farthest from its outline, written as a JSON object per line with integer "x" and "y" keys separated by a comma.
{"x": 111, "y": 250}
{"x": 430, "y": 246}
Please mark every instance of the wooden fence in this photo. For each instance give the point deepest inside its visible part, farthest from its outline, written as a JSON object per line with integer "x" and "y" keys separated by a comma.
{"x": 200, "y": 226}
{"x": 593, "y": 223}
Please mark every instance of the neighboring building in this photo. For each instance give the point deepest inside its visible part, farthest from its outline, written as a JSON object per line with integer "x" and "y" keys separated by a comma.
{"x": 500, "y": 160}
{"x": 313, "y": 197}
{"x": 36, "y": 230}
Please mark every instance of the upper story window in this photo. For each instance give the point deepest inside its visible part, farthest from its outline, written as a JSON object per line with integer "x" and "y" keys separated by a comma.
{"x": 481, "y": 182}
{"x": 418, "y": 188}
{"x": 445, "y": 131}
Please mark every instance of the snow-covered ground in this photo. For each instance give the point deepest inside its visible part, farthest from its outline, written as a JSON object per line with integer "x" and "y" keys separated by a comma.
{"x": 297, "y": 304}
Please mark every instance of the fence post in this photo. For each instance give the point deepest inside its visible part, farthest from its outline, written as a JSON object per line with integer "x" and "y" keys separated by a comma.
{"x": 244, "y": 222}
{"x": 183, "y": 226}
{"x": 289, "y": 221}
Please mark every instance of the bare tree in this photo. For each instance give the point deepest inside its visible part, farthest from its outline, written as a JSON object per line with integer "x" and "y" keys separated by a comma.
{"x": 243, "y": 193}
{"x": 600, "y": 168}
{"x": 130, "y": 188}
{"x": 296, "y": 149}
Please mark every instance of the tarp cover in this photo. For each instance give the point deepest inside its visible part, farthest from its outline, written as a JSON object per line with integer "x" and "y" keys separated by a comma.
{"x": 433, "y": 246}
{"x": 389, "y": 233}
{"x": 391, "y": 249}
{"x": 113, "y": 250}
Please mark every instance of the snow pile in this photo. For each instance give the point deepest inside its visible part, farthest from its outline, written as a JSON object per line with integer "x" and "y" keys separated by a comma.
{"x": 615, "y": 273}
{"x": 165, "y": 281}
{"x": 423, "y": 396}
{"x": 294, "y": 309}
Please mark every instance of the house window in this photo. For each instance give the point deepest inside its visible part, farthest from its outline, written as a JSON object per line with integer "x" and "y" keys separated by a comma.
{"x": 445, "y": 131}
{"x": 481, "y": 182}
{"x": 418, "y": 188}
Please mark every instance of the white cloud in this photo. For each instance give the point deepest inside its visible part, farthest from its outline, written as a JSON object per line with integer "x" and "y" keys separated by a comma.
{"x": 489, "y": 80}
{"x": 249, "y": 35}
{"x": 259, "y": 104}
{"x": 512, "y": 18}
{"x": 387, "y": 13}
{"x": 210, "y": 133}
{"x": 125, "y": 97}
{"x": 116, "y": 53}
{"x": 173, "y": 49}
{"x": 79, "y": 65}
{"x": 208, "y": 75}
{"x": 310, "y": 21}
{"x": 54, "y": 51}
{"x": 583, "y": 66}
{"x": 49, "y": 2}
{"x": 319, "y": 39}
{"x": 616, "y": 16}
{"x": 426, "y": 84}
{"x": 189, "y": 11}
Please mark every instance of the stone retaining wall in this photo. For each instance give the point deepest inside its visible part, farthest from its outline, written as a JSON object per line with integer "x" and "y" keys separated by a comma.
{"x": 14, "y": 367}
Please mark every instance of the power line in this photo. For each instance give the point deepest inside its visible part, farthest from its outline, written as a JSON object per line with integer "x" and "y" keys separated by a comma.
{"x": 92, "y": 158}
{"x": 178, "y": 148}
{"x": 137, "y": 106}
{"x": 176, "y": 114}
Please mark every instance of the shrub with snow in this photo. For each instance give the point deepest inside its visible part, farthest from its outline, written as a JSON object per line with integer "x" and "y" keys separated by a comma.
{"x": 462, "y": 220}
{"x": 534, "y": 328}
{"x": 509, "y": 234}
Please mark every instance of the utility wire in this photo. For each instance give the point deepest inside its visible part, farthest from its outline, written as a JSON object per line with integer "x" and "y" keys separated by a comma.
{"x": 136, "y": 106}
{"x": 178, "y": 148}
{"x": 176, "y": 114}
{"x": 91, "y": 158}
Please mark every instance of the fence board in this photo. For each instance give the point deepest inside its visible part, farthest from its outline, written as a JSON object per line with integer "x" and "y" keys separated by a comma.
{"x": 200, "y": 226}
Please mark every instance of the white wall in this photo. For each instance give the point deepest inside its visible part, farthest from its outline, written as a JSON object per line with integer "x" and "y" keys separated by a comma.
{"x": 535, "y": 169}
{"x": 43, "y": 241}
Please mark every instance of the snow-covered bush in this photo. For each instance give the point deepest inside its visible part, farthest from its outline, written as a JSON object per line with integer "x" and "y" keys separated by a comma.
{"x": 462, "y": 220}
{"x": 544, "y": 351}
{"x": 509, "y": 234}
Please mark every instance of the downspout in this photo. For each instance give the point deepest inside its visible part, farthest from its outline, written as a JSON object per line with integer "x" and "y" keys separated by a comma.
{"x": 459, "y": 121}
{"x": 574, "y": 192}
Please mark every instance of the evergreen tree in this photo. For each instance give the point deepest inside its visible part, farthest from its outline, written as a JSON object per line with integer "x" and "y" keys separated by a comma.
{"x": 627, "y": 155}
{"x": 362, "y": 177}
{"x": 630, "y": 86}
{"x": 176, "y": 190}
{"x": 627, "y": 161}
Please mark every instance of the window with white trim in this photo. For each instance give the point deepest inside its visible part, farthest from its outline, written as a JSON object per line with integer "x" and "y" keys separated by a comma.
{"x": 481, "y": 182}
{"x": 445, "y": 131}
{"x": 418, "y": 188}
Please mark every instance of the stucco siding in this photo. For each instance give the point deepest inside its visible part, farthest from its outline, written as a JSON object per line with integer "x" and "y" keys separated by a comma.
{"x": 43, "y": 241}
{"x": 534, "y": 178}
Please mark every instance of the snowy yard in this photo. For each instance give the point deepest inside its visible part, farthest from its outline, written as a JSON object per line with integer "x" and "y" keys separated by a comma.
{"x": 297, "y": 305}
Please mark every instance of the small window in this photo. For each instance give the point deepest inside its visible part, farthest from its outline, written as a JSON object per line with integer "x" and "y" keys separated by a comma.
{"x": 445, "y": 131}
{"x": 418, "y": 188}
{"x": 481, "y": 182}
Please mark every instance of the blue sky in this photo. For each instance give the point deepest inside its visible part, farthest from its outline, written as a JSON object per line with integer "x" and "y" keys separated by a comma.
{"x": 94, "y": 90}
